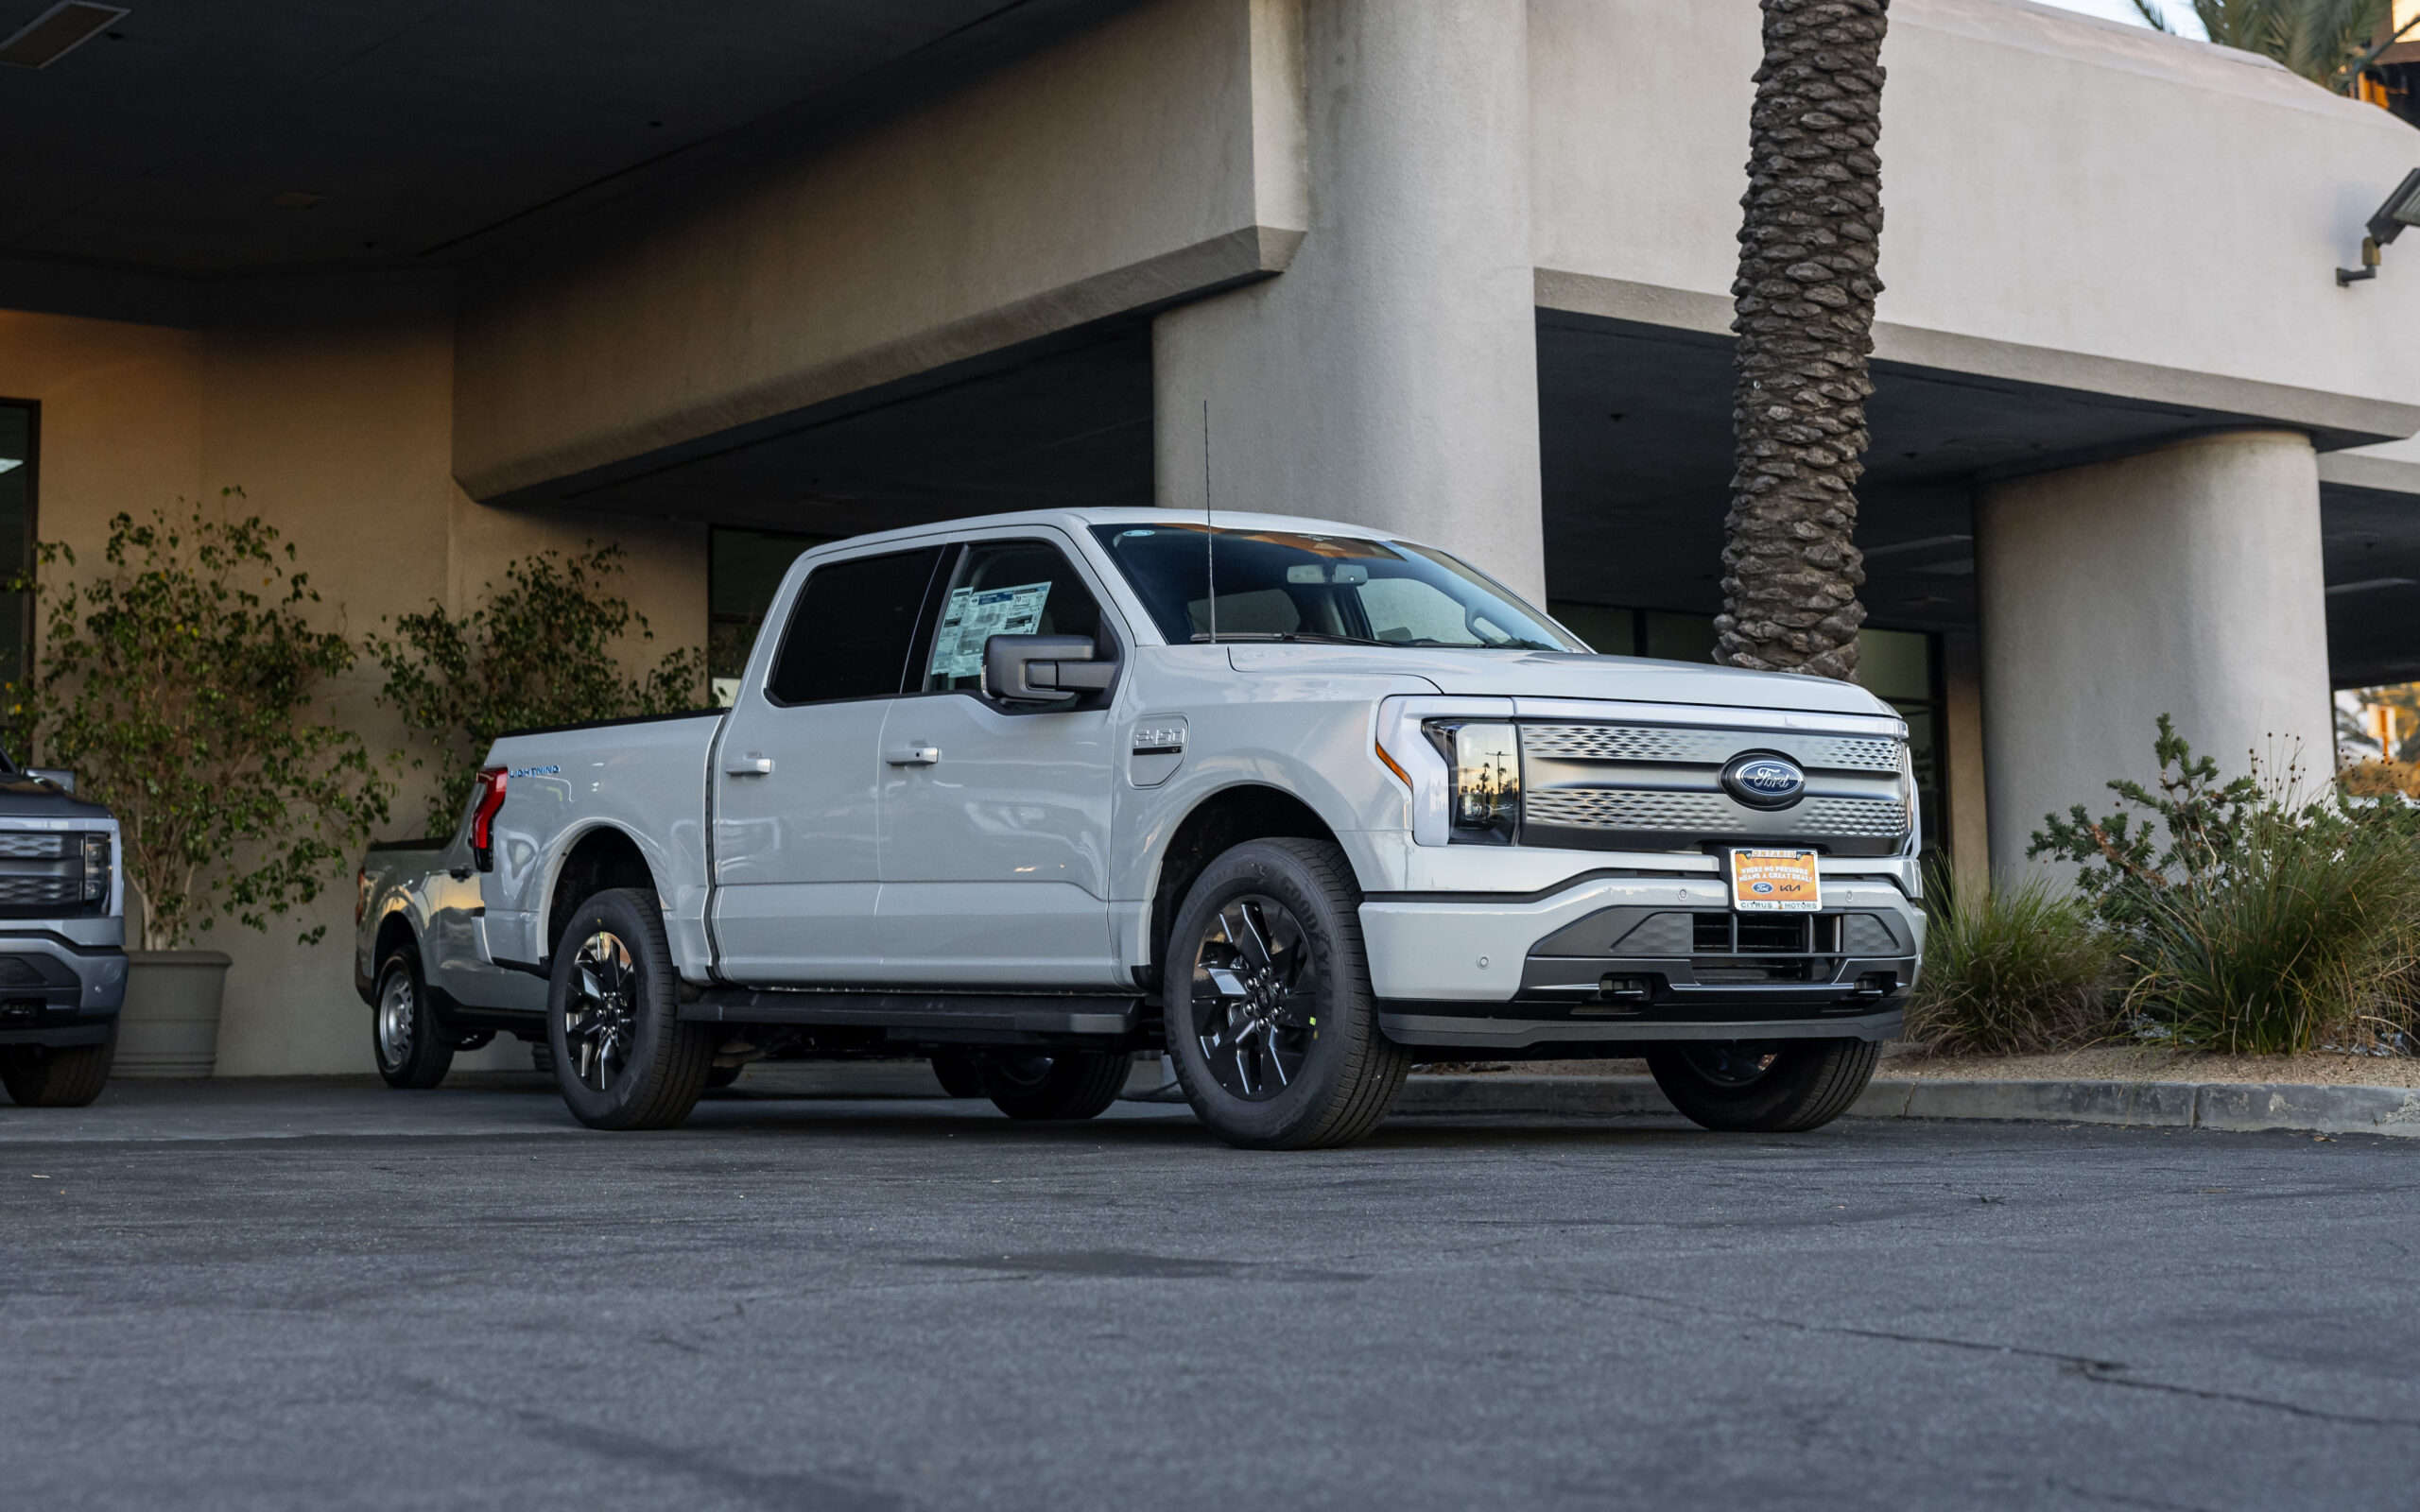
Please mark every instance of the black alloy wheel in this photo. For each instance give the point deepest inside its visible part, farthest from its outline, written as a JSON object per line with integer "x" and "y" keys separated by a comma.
{"x": 1270, "y": 1017}
{"x": 1763, "y": 1086}
{"x": 600, "y": 1012}
{"x": 412, "y": 1051}
{"x": 1255, "y": 1001}
{"x": 622, "y": 1058}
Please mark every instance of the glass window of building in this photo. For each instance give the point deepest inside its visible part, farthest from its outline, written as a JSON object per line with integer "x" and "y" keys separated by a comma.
{"x": 17, "y": 435}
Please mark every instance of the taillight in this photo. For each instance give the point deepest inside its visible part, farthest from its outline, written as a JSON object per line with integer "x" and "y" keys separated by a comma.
{"x": 491, "y": 797}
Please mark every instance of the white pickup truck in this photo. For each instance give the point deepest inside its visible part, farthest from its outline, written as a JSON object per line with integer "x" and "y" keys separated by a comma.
{"x": 1300, "y": 801}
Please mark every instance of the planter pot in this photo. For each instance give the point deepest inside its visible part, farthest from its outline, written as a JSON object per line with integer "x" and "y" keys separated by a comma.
{"x": 170, "y": 1026}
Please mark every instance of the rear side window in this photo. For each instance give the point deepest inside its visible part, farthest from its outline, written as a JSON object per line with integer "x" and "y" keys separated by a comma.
{"x": 848, "y": 637}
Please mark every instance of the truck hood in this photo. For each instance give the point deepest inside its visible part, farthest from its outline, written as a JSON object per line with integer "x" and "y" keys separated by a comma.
{"x": 30, "y": 798}
{"x": 1569, "y": 675}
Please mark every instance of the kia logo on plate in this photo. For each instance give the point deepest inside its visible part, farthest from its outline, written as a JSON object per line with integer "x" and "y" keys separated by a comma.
{"x": 1764, "y": 781}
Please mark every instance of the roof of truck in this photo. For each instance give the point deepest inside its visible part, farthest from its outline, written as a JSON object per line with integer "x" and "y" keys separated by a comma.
{"x": 1077, "y": 519}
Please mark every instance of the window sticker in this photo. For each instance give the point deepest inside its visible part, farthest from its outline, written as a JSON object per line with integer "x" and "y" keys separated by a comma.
{"x": 974, "y": 615}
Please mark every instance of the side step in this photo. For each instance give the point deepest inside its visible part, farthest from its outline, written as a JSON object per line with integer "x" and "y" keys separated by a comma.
{"x": 955, "y": 1012}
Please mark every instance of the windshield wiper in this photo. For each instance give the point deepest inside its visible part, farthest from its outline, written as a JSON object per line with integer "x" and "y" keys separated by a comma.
{"x": 1303, "y": 637}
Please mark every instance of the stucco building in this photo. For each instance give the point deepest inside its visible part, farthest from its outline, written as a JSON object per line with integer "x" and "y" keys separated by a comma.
{"x": 452, "y": 284}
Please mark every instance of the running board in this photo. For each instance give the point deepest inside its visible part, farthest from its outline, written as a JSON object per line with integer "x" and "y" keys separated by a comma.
{"x": 965, "y": 1013}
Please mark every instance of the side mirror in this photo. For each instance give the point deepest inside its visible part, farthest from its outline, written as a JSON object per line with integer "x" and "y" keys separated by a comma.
{"x": 1043, "y": 668}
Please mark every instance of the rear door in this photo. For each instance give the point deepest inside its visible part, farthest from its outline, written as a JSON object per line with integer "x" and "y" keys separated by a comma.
{"x": 995, "y": 817}
{"x": 796, "y": 775}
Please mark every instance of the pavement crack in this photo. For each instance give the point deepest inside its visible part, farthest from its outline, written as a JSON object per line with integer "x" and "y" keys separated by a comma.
{"x": 780, "y": 1488}
{"x": 2122, "y": 1498}
{"x": 2084, "y": 1367}
{"x": 2238, "y": 1399}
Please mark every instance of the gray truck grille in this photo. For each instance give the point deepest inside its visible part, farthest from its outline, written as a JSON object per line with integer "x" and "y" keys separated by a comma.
{"x": 1659, "y": 787}
{"x": 1711, "y": 814}
{"x": 17, "y": 892}
{"x": 1639, "y": 743}
{"x": 18, "y": 845}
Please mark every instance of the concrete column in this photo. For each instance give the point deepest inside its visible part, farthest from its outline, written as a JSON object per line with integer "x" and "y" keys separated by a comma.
{"x": 2183, "y": 581}
{"x": 1389, "y": 376}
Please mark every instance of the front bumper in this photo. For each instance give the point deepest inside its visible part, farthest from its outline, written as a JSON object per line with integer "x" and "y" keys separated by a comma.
{"x": 57, "y": 991}
{"x": 1637, "y": 956}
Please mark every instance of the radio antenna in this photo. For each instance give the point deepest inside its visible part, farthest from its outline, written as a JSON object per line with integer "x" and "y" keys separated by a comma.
{"x": 1209, "y": 530}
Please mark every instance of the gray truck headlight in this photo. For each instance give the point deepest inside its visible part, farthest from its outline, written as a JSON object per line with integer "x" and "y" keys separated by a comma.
{"x": 1483, "y": 761}
{"x": 96, "y": 867}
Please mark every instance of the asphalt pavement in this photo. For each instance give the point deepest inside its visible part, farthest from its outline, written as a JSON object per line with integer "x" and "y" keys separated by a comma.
{"x": 306, "y": 1296}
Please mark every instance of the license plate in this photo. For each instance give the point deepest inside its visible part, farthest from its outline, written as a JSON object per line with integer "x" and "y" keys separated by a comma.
{"x": 1775, "y": 882}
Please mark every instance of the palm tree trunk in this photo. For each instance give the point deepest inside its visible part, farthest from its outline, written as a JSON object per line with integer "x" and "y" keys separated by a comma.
{"x": 1804, "y": 306}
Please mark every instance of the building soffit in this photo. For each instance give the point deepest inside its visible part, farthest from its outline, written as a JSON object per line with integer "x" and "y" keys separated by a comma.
{"x": 2197, "y": 400}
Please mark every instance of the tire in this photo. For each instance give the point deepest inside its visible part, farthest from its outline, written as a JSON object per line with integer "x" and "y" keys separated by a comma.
{"x": 1065, "y": 1084}
{"x": 958, "y": 1074}
{"x": 1771, "y": 1086}
{"x": 1284, "y": 1005}
{"x": 412, "y": 1051}
{"x": 38, "y": 1076}
{"x": 622, "y": 1058}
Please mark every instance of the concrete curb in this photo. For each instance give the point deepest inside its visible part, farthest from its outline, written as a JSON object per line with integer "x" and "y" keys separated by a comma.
{"x": 2236, "y": 1106}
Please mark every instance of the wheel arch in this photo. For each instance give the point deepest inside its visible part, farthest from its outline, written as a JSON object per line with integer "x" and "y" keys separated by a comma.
{"x": 1221, "y": 821}
{"x": 601, "y": 857}
{"x": 394, "y": 931}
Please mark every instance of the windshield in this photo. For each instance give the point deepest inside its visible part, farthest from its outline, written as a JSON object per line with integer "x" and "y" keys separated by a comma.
{"x": 1282, "y": 585}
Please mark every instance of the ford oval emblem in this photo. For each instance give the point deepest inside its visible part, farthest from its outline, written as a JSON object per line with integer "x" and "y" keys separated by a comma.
{"x": 1763, "y": 781}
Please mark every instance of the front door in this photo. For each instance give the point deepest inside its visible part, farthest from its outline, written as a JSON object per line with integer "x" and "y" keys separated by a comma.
{"x": 796, "y": 777}
{"x": 996, "y": 816}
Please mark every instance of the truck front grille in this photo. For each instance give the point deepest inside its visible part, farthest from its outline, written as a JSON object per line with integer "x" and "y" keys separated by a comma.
{"x": 23, "y": 892}
{"x": 1659, "y": 787}
{"x": 1712, "y": 813}
{"x": 1641, "y": 743}
{"x": 42, "y": 875}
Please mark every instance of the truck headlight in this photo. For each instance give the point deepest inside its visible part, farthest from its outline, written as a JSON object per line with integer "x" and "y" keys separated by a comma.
{"x": 1484, "y": 764}
{"x": 96, "y": 867}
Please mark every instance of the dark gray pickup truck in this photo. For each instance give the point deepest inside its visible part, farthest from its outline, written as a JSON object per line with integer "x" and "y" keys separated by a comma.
{"x": 63, "y": 941}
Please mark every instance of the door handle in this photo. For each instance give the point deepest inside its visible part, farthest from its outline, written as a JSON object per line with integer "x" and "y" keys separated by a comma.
{"x": 913, "y": 755}
{"x": 751, "y": 765}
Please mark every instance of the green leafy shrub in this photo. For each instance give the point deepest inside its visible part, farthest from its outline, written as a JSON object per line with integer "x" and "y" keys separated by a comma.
{"x": 179, "y": 688}
{"x": 2253, "y": 923}
{"x": 2011, "y": 970}
{"x": 539, "y": 652}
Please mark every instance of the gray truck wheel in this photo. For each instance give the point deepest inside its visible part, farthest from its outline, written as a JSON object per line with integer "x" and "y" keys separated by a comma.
{"x": 413, "y": 1053}
{"x": 1270, "y": 1013}
{"x": 1772, "y": 1087}
{"x": 1064, "y": 1083}
{"x": 37, "y": 1076}
{"x": 623, "y": 1059}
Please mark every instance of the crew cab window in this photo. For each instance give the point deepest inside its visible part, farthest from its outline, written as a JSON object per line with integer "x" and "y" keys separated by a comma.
{"x": 848, "y": 637}
{"x": 1006, "y": 588}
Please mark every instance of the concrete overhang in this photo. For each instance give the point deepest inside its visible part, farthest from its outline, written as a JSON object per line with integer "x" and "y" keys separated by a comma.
{"x": 246, "y": 138}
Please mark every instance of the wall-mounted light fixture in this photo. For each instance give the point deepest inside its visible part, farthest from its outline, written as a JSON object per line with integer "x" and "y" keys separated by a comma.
{"x": 2402, "y": 208}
